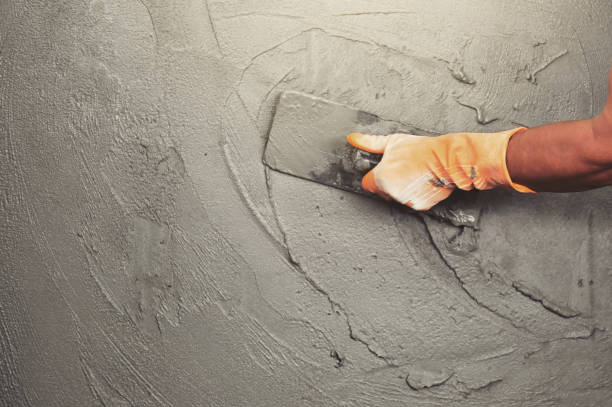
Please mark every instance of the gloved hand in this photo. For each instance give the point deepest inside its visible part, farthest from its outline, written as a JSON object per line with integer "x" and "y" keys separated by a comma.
{"x": 422, "y": 171}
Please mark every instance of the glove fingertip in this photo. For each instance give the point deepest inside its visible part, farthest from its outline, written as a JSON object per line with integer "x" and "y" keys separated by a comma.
{"x": 354, "y": 138}
{"x": 367, "y": 142}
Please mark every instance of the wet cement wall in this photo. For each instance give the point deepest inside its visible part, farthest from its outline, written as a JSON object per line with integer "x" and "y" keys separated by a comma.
{"x": 149, "y": 258}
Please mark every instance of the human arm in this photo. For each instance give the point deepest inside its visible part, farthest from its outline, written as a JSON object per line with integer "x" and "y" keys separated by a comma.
{"x": 565, "y": 156}
{"x": 560, "y": 157}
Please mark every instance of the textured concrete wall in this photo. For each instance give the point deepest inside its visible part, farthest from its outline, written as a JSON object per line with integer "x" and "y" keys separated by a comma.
{"x": 148, "y": 257}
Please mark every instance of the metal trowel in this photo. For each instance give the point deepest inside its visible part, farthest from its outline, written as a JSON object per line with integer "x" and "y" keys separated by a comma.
{"x": 307, "y": 139}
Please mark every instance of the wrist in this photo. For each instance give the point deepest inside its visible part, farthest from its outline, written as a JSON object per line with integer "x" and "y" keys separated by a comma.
{"x": 599, "y": 145}
{"x": 499, "y": 159}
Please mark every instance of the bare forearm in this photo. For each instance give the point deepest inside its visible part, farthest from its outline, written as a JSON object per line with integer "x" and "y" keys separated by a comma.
{"x": 562, "y": 157}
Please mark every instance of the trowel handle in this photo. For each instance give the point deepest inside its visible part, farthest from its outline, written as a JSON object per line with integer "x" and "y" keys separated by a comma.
{"x": 364, "y": 161}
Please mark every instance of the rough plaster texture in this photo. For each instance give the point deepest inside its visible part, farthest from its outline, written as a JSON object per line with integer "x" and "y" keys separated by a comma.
{"x": 149, "y": 258}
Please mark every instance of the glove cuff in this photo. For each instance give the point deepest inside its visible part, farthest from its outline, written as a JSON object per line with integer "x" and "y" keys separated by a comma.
{"x": 506, "y": 174}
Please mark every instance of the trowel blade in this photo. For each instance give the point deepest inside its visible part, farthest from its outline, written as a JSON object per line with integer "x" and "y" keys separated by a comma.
{"x": 308, "y": 139}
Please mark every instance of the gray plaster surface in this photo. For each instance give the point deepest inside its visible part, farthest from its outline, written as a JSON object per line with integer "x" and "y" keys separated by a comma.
{"x": 147, "y": 257}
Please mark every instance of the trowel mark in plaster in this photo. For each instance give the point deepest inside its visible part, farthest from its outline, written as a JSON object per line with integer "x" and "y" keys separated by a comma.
{"x": 96, "y": 271}
{"x": 337, "y": 309}
{"x": 376, "y": 13}
{"x": 588, "y": 70}
{"x": 531, "y": 75}
{"x": 494, "y": 295}
{"x": 465, "y": 389}
{"x": 335, "y": 306}
{"x": 213, "y": 27}
{"x": 246, "y": 168}
{"x": 139, "y": 380}
{"x": 255, "y": 209}
{"x": 539, "y": 62}
{"x": 285, "y": 79}
{"x": 153, "y": 281}
{"x": 276, "y": 46}
{"x": 151, "y": 20}
{"x": 457, "y": 71}
{"x": 419, "y": 378}
{"x": 261, "y": 14}
{"x": 488, "y": 87}
{"x": 461, "y": 283}
{"x": 457, "y": 68}
{"x": 147, "y": 174}
{"x": 100, "y": 379}
{"x": 481, "y": 116}
{"x": 101, "y": 386}
{"x": 535, "y": 295}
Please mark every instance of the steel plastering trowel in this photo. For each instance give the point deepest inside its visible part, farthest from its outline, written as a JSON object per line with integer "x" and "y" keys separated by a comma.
{"x": 308, "y": 140}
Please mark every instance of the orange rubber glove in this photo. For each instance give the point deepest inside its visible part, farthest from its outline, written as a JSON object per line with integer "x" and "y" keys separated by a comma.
{"x": 422, "y": 171}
